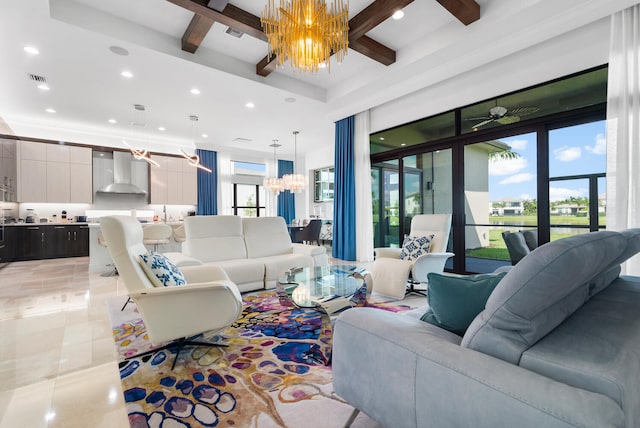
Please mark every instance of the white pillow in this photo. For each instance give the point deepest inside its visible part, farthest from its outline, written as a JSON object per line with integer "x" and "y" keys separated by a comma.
{"x": 161, "y": 271}
{"x": 415, "y": 246}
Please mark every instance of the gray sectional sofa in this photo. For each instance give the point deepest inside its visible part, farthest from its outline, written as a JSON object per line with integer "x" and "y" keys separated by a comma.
{"x": 557, "y": 345}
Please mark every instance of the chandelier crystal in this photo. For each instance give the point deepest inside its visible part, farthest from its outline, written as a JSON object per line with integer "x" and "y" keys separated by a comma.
{"x": 295, "y": 183}
{"x": 274, "y": 184}
{"x": 305, "y": 33}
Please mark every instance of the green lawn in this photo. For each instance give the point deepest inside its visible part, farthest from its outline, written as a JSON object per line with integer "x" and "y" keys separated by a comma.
{"x": 497, "y": 249}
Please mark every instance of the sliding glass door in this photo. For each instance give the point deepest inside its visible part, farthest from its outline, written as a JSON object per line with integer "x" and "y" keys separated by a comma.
{"x": 424, "y": 187}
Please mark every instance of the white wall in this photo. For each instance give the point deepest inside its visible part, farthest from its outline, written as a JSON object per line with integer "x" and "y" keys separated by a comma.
{"x": 572, "y": 52}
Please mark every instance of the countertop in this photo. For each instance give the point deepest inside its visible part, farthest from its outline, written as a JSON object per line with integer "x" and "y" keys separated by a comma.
{"x": 46, "y": 224}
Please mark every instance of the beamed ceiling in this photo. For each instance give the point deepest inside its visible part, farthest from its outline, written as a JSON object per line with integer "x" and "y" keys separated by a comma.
{"x": 205, "y": 13}
{"x": 173, "y": 46}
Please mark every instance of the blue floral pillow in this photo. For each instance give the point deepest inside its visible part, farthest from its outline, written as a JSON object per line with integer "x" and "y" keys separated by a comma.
{"x": 415, "y": 246}
{"x": 161, "y": 271}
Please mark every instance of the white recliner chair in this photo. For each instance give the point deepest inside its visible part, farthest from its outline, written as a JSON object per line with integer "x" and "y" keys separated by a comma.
{"x": 209, "y": 302}
{"x": 390, "y": 273}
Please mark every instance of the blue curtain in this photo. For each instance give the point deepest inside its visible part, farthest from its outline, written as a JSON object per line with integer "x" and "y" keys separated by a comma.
{"x": 207, "y": 183}
{"x": 286, "y": 199}
{"x": 344, "y": 204}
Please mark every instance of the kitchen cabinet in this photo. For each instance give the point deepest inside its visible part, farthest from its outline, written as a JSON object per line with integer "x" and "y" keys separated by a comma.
{"x": 29, "y": 242}
{"x": 7, "y": 245}
{"x": 49, "y": 241}
{"x": 54, "y": 173}
{"x": 174, "y": 182}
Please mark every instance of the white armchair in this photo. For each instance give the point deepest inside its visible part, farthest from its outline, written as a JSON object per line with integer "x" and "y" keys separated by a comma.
{"x": 438, "y": 225}
{"x": 209, "y": 302}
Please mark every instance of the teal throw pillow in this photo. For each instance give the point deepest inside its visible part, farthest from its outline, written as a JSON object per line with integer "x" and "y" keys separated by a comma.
{"x": 454, "y": 301}
{"x": 161, "y": 271}
{"x": 415, "y": 246}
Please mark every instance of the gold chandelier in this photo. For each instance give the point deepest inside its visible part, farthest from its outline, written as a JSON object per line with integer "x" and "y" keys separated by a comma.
{"x": 306, "y": 33}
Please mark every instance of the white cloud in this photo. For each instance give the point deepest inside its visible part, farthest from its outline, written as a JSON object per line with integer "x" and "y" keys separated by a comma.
{"x": 518, "y": 178}
{"x": 600, "y": 146}
{"x": 507, "y": 166}
{"x": 561, "y": 193}
{"x": 518, "y": 144}
{"x": 526, "y": 197}
{"x": 567, "y": 154}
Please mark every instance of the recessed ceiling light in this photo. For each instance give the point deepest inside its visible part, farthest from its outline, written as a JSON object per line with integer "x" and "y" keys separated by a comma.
{"x": 195, "y": 91}
{"x": 381, "y": 138}
{"x": 398, "y": 14}
{"x": 31, "y": 50}
{"x": 127, "y": 74}
{"x": 204, "y": 135}
{"x": 113, "y": 121}
{"x": 403, "y": 144}
{"x": 43, "y": 86}
{"x": 50, "y": 110}
{"x": 322, "y": 65}
{"x": 161, "y": 128}
{"x": 249, "y": 105}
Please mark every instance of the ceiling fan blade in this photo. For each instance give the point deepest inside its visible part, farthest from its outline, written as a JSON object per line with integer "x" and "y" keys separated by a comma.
{"x": 523, "y": 111}
{"x": 478, "y": 125}
{"x": 506, "y": 120}
{"x": 477, "y": 118}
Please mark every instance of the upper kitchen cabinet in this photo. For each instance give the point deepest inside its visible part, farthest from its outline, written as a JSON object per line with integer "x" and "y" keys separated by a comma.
{"x": 54, "y": 173}
{"x": 174, "y": 182}
{"x": 8, "y": 174}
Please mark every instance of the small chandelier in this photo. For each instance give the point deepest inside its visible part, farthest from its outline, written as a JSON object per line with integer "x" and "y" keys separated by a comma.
{"x": 306, "y": 33}
{"x": 194, "y": 160}
{"x": 295, "y": 183}
{"x": 274, "y": 184}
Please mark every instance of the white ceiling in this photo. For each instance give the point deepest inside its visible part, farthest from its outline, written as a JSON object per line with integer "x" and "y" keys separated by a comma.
{"x": 74, "y": 37}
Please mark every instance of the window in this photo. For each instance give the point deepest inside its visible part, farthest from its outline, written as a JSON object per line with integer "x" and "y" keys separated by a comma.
{"x": 249, "y": 168}
{"x": 248, "y": 200}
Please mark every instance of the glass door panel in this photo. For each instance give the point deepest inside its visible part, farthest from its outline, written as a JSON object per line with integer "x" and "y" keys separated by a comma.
{"x": 500, "y": 195}
{"x": 577, "y": 179}
{"x": 386, "y": 203}
{"x": 427, "y": 186}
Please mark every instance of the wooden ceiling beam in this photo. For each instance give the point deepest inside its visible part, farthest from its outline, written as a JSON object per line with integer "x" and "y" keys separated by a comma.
{"x": 373, "y": 15}
{"x": 196, "y": 32}
{"x": 266, "y": 66}
{"x": 467, "y": 11}
{"x": 374, "y": 50}
{"x": 232, "y": 16}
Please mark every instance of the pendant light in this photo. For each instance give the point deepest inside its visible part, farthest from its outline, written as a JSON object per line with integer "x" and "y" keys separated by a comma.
{"x": 295, "y": 183}
{"x": 274, "y": 184}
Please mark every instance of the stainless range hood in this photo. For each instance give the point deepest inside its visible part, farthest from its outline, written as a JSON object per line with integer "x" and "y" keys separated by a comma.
{"x": 122, "y": 176}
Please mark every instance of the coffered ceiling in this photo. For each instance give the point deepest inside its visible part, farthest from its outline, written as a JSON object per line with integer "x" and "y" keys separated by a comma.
{"x": 77, "y": 40}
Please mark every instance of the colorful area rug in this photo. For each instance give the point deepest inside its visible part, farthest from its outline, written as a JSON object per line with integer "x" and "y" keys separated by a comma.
{"x": 274, "y": 373}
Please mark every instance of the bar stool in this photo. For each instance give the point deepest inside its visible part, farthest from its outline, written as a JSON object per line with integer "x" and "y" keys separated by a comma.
{"x": 179, "y": 234}
{"x": 156, "y": 234}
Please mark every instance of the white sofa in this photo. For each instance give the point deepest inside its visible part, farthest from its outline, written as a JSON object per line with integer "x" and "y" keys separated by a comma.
{"x": 254, "y": 252}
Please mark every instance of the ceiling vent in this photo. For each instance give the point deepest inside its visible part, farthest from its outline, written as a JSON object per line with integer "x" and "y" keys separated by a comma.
{"x": 36, "y": 78}
{"x": 241, "y": 140}
{"x": 233, "y": 32}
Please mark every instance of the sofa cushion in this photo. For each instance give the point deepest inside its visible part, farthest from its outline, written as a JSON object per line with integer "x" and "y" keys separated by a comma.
{"x": 266, "y": 236}
{"x": 540, "y": 292}
{"x": 161, "y": 271}
{"x": 598, "y": 348}
{"x": 516, "y": 245}
{"x": 214, "y": 238}
{"x": 243, "y": 270}
{"x": 454, "y": 301}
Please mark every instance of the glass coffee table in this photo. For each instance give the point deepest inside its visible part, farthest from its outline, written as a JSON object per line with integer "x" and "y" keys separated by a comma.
{"x": 330, "y": 289}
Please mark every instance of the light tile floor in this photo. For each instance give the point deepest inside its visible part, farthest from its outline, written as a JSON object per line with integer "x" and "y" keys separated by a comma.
{"x": 57, "y": 359}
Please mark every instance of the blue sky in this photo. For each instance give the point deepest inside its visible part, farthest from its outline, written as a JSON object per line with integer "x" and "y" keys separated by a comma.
{"x": 572, "y": 151}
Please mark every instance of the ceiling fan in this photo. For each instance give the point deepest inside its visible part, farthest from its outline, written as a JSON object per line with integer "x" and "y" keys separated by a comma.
{"x": 503, "y": 116}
